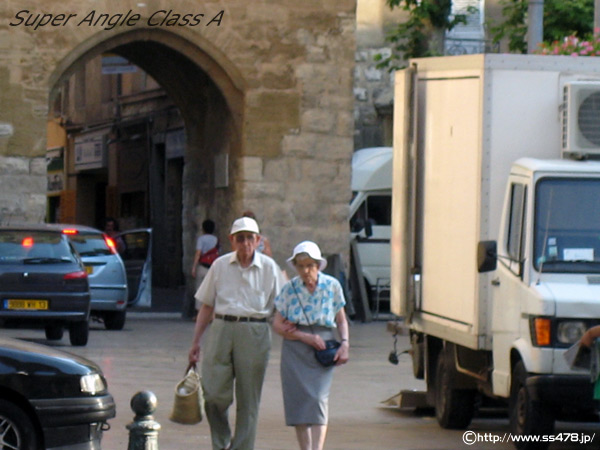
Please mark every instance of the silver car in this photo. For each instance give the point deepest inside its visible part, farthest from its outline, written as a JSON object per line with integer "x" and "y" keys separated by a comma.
{"x": 106, "y": 274}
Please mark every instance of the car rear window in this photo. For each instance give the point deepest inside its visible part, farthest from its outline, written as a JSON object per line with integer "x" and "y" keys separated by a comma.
{"x": 90, "y": 244}
{"x": 34, "y": 247}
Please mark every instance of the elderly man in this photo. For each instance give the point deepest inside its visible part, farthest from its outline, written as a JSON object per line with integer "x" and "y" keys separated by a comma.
{"x": 239, "y": 290}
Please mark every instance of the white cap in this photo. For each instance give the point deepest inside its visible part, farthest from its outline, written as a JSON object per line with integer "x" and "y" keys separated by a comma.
{"x": 244, "y": 224}
{"x": 312, "y": 250}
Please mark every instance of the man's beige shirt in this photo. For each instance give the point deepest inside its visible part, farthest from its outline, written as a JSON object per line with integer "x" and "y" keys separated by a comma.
{"x": 247, "y": 292}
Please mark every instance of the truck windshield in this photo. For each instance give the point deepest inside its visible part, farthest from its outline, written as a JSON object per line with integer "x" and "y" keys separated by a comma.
{"x": 567, "y": 225}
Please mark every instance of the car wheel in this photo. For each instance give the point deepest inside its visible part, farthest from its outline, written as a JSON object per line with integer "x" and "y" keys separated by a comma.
{"x": 54, "y": 332}
{"x": 79, "y": 332}
{"x": 16, "y": 428}
{"x": 114, "y": 320}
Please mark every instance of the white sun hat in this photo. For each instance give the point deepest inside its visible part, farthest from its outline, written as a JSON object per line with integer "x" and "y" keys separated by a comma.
{"x": 312, "y": 250}
{"x": 244, "y": 224}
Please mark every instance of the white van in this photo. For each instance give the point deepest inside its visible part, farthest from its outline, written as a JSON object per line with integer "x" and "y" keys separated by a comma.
{"x": 371, "y": 213}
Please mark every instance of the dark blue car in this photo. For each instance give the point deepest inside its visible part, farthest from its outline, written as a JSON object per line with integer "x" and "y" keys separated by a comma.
{"x": 50, "y": 399}
{"x": 43, "y": 280}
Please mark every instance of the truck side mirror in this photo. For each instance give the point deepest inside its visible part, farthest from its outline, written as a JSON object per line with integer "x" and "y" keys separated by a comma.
{"x": 487, "y": 256}
{"x": 368, "y": 228}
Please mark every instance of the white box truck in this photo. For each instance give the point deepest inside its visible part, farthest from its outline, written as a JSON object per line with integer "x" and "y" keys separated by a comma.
{"x": 371, "y": 215}
{"x": 495, "y": 247}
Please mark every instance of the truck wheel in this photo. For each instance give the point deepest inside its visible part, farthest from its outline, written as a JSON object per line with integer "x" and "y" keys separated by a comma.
{"x": 16, "y": 428}
{"x": 79, "y": 332}
{"x": 54, "y": 332}
{"x": 526, "y": 416}
{"x": 454, "y": 408}
{"x": 417, "y": 353}
{"x": 114, "y": 320}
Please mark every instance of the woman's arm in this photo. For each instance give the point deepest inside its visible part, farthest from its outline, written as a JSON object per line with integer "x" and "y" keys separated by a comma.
{"x": 343, "y": 353}
{"x": 197, "y": 256}
{"x": 289, "y": 331}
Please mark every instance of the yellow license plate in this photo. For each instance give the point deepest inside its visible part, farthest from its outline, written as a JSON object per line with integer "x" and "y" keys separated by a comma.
{"x": 26, "y": 304}
{"x": 89, "y": 270}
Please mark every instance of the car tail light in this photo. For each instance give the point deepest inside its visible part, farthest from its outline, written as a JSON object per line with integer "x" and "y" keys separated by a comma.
{"x": 111, "y": 244}
{"x": 27, "y": 242}
{"x": 69, "y": 231}
{"x": 76, "y": 275}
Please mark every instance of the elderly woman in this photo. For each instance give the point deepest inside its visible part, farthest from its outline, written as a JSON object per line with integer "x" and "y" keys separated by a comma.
{"x": 309, "y": 308}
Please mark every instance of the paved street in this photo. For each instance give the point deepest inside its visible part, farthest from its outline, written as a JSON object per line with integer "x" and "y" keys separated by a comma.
{"x": 151, "y": 354}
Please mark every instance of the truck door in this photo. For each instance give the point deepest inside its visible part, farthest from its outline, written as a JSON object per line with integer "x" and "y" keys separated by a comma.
{"x": 508, "y": 287}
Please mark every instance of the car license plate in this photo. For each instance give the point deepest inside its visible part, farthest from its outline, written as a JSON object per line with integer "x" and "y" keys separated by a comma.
{"x": 89, "y": 270}
{"x": 25, "y": 304}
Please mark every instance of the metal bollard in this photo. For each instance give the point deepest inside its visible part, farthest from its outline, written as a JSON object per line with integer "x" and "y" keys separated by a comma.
{"x": 143, "y": 431}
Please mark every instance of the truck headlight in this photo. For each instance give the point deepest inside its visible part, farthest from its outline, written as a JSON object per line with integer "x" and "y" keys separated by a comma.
{"x": 569, "y": 332}
{"x": 92, "y": 383}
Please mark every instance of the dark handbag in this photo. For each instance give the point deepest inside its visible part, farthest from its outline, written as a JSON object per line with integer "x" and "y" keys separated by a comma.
{"x": 326, "y": 356}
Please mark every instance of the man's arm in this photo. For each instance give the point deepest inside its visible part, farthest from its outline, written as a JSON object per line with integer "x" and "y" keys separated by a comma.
{"x": 202, "y": 320}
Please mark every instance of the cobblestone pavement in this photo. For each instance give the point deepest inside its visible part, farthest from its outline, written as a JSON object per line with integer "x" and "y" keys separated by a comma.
{"x": 151, "y": 354}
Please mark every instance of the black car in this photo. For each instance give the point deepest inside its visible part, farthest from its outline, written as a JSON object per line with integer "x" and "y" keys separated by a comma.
{"x": 50, "y": 399}
{"x": 43, "y": 280}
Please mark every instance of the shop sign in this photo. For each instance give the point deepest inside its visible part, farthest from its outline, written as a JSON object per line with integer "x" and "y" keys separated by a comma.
{"x": 90, "y": 151}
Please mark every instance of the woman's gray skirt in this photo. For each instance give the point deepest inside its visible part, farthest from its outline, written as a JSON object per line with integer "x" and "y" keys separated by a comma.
{"x": 304, "y": 381}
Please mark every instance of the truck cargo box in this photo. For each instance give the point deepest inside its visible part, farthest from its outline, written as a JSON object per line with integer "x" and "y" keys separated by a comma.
{"x": 460, "y": 122}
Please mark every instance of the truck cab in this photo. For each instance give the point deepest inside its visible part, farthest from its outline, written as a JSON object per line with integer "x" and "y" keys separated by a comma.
{"x": 546, "y": 286}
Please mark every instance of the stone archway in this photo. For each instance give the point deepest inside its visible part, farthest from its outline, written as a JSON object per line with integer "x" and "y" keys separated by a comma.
{"x": 208, "y": 91}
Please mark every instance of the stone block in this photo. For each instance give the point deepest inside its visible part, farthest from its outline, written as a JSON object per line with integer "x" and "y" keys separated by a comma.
{"x": 373, "y": 74}
{"x": 361, "y": 94}
{"x": 252, "y": 168}
{"x": 37, "y": 166}
{"x": 12, "y": 165}
{"x": 276, "y": 169}
{"x": 264, "y": 190}
{"x": 318, "y": 120}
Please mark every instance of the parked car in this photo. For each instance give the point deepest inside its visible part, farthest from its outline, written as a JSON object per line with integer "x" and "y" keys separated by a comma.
{"x": 50, "y": 399}
{"x": 106, "y": 273}
{"x": 43, "y": 280}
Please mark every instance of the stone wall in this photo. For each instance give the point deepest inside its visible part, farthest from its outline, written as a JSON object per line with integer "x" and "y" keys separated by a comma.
{"x": 373, "y": 86}
{"x": 292, "y": 62}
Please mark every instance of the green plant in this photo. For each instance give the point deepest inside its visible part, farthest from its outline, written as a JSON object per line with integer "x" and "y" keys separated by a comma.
{"x": 422, "y": 34}
{"x": 513, "y": 27}
{"x": 561, "y": 18}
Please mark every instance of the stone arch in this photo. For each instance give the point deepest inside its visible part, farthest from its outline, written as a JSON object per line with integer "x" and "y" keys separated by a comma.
{"x": 209, "y": 92}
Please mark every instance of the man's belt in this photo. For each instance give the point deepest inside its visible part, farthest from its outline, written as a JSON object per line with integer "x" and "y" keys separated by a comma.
{"x": 228, "y": 318}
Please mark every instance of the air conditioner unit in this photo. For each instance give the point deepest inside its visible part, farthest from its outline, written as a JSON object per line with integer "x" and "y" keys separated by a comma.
{"x": 581, "y": 118}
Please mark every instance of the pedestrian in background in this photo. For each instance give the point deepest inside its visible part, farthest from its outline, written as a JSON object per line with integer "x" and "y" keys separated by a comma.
{"x": 238, "y": 290}
{"x": 264, "y": 245}
{"x": 111, "y": 228}
{"x": 309, "y": 308}
{"x": 207, "y": 249}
